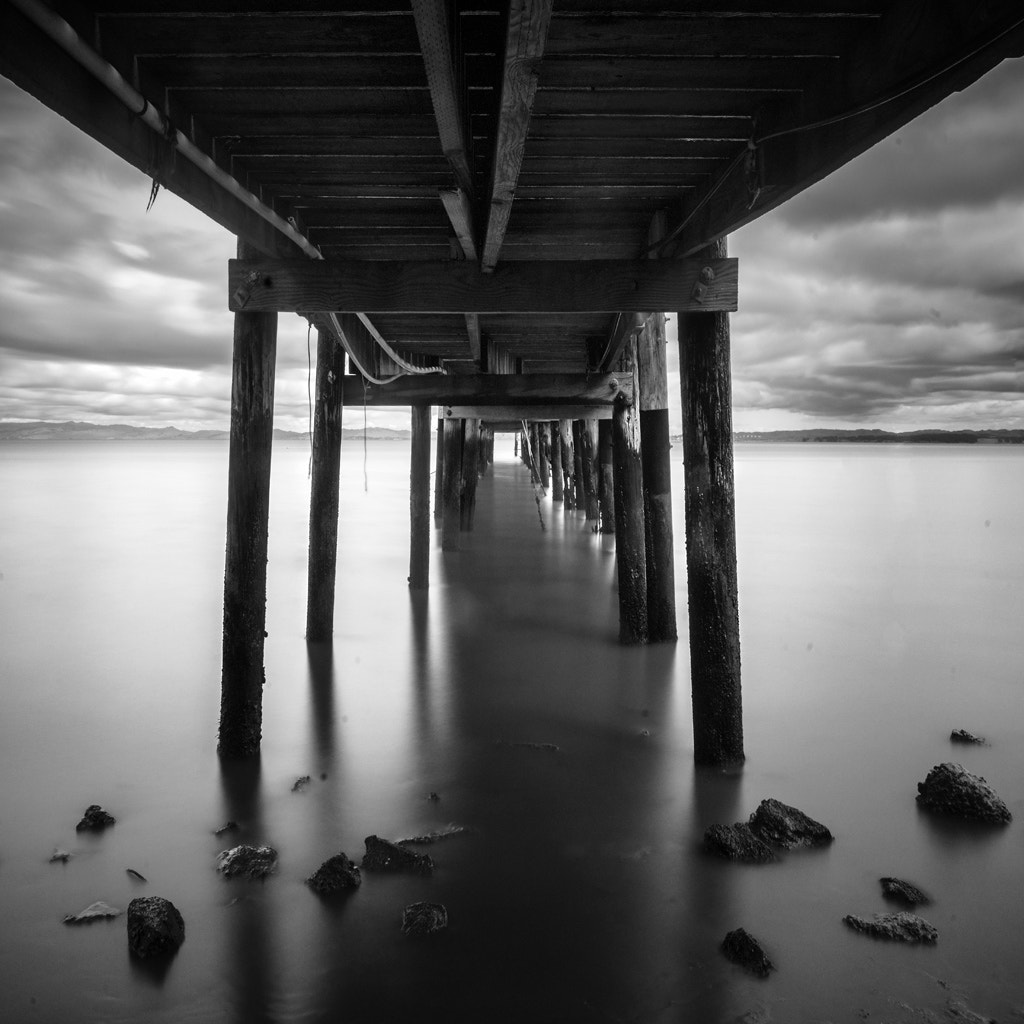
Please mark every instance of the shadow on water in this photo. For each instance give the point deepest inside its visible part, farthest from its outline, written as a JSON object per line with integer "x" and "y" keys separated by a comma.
{"x": 249, "y": 961}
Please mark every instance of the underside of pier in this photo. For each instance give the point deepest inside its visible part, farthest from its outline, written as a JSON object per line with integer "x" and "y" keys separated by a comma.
{"x": 488, "y": 208}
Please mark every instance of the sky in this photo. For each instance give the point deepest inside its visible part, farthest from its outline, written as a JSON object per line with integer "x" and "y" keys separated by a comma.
{"x": 890, "y": 295}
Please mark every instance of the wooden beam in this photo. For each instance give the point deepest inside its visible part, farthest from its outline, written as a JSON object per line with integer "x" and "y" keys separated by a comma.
{"x": 529, "y": 413}
{"x": 460, "y": 212}
{"x": 913, "y": 55}
{"x": 547, "y": 286}
{"x": 434, "y": 33}
{"x": 528, "y": 22}
{"x": 541, "y": 389}
{"x": 625, "y": 328}
{"x": 473, "y": 331}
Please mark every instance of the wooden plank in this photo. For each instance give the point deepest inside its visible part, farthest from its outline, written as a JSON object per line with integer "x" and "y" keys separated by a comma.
{"x": 909, "y": 44}
{"x": 526, "y": 31}
{"x": 457, "y": 205}
{"x": 588, "y": 389}
{"x": 529, "y": 413}
{"x": 473, "y": 332}
{"x": 436, "y": 46}
{"x": 457, "y": 287}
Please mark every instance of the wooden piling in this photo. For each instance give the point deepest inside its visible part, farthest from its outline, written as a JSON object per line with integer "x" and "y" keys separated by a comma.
{"x": 657, "y": 467}
{"x": 580, "y": 481}
{"x": 470, "y": 473}
{"x": 419, "y": 498}
{"x": 606, "y": 476}
{"x": 439, "y": 471}
{"x": 630, "y": 557}
{"x": 588, "y": 439}
{"x": 568, "y": 465}
{"x": 557, "y": 482}
{"x": 451, "y": 500}
{"x": 711, "y": 534}
{"x": 544, "y": 453}
{"x": 323, "y": 499}
{"x": 245, "y": 563}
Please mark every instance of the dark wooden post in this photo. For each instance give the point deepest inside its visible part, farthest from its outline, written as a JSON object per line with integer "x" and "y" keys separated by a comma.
{"x": 568, "y": 464}
{"x": 580, "y": 497}
{"x": 606, "y": 479}
{"x": 439, "y": 470}
{"x": 544, "y": 453}
{"x": 711, "y": 534}
{"x": 534, "y": 452}
{"x": 419, "y": 498}
{"x": 630, "y": 559}
{"x": 470, "y": 473}
{"x": 245, "y": 562}
{"x": 323, "y": 497}
{"x": 557, "y": 483}
{"x": 451, "y": 501}
{"x": 588, "y": 439}
{"x": 657, "y": 462}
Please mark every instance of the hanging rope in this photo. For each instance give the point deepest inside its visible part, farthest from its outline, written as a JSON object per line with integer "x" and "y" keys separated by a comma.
{"x": 538, "y": 491}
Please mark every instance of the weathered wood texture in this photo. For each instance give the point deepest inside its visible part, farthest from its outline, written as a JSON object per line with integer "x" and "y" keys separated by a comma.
{"x": 537, "y": 286}
{"x": 578, "y": 475}
{"x": 245, "y": 563}
{"x": 568, "y": 464}
{"x": 470, "y": 473}
{"x": 544, "y": 453}
{"x": 630, "y": 558}
{"x": 530, "y": 413}
{"x": 493, "y": 389}
{"x": 705, "y": 378}
{"x": 451, "y": 504}
{"x": 606, "y": 481}
{"x": 439, "y": 469}
{"x": 419, "y": 498}
{"x": 657, "y": 466}
{"x": 557, "y": 481}
{"x": 324, "y": 489}
{"x": 591, "y": 473}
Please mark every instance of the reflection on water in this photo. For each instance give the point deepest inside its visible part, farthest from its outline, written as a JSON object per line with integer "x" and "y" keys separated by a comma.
{"x": 880, "y": 598}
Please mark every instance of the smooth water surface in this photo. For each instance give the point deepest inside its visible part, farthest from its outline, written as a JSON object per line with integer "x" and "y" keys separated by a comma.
{"x": 881, "y": 598}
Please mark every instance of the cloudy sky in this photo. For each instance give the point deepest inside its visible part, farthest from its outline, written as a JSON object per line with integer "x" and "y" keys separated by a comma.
{"x": 890, "y": 295}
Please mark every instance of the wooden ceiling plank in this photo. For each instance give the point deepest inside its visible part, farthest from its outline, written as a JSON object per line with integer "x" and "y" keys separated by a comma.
{"x": 527, "y": 29}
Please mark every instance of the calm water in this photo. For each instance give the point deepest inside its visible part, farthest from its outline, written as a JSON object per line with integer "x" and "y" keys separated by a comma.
{"x": 881, "y": 599}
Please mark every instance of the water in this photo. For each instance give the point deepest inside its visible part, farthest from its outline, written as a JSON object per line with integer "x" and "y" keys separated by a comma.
{"x": 880, "y": 605}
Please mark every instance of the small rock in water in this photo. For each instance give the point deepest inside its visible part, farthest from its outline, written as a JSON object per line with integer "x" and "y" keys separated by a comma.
{"x": 228, "y": 826}
{"x": 95, "y": 819}
{"x": 901, "y": 927}
{"x": 737, "y": 842}
{"x": 436, "y": 836}
{"x": 383, "y": 855}
{"x": 433, "y": 798}
{"x": 247, "y": 861}
{"x": 155, "y": 926}
{"x": 778, "y": 824}
{"x": 424, "y": 918}
{"x": 742, "y": 948}
{"x": 897, "y": 889}
{"x": 951, "y": 789}
{"x": 60, "y": 857}
{"x": 336, "y": 874}
{"x": 963, "y": 736}
{"x": 97, "y": 911}
{"x": 301, "y": 783}
{"x": 133, "y": 874}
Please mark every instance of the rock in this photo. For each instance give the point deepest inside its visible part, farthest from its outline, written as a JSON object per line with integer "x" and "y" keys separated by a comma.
{"x": 742, "y": 948}
{"x": 95, "y": 819}
{"x": 336, "y": 874}
{"x": 951, "y": 789}
{"x": 247, "y": 861}
{"x": 60, "y": 857}
{"x": 778, "y": 824}
{"x": 433, "y": 797}
{"x": 383, "y": 855}
{"x": 134, "y": 875}
{"x": 424, "y": 918}
{"x": 737, "y": 842}
{"x": 228, "y": 826}
{"x": 155, "y": 926}
{"x": 904, "y": 892}
{"x": 435, "y": 837}
{"x": 901, "y": 927}
{"x": 98, "y": 911}
{"x": 963, "y": 736}
{"x": 301, "y": 783}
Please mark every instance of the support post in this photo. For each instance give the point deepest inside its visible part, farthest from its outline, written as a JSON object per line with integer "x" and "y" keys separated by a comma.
{"x": 439, "y": 471}
{"x": 557, "y": 483}
{"x": 419, "y": 498}
{"x": 588, "y": 439}
{"x": 470, "y": 473}
{"x": 544, "y": 453}
{"x": 606, "y": 478}
{"x": 657, "y": 465}
{"x": 629, "y": 515}
{"x": 580, "y": 497}
{"x": 568, "y": 465}
{"x": 245, "y": 562}
{"x": 452, "y": 485}
{"x": 323, "y": 495}
{"x": 711, "y": 535}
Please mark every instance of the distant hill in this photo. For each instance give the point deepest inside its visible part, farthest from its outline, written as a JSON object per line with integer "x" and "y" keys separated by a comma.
{"x": 828, "y": 436}
{"x": 76, "y": 431}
